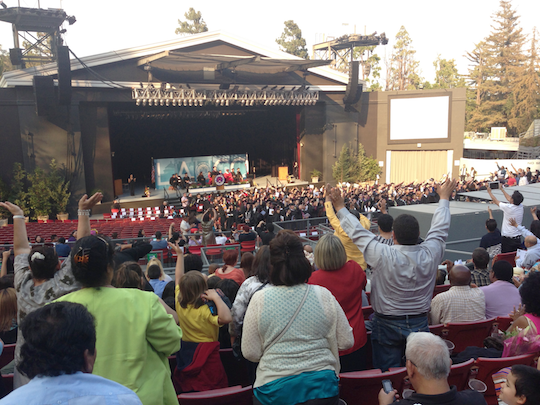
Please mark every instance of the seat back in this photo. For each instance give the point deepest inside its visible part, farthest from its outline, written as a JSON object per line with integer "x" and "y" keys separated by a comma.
{"x": 362, "y": 387}
{"x": 436, "y": 329}
{"x": 8, "y": 354}
{"x": 507, "y": 257}
{"x": 440, "y": 288}
{"x": 459, "y": 374}
{"x": 464, "y": 334}
{"x": 504, "y": 322}
{"x": 367, "y": 311}
{"x": 248, "y": 246}
{"x": 224, "y": 396}
{"x": 487, "y": 367}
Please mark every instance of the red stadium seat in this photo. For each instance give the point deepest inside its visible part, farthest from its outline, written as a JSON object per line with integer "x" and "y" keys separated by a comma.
{"x": 195, "y": 250}
{"x": 224, "y": 396}
{"x": 367, "y": 311}
{"x": 436, "y": 329}
{"x": 504, "y": 322}
{"x": 248, "y": 246}
{"x": 487, "y": 367}
{"x": 362, "y": 387}
{"x": 465, "y": 334}
{"x": 441, "y": 288}
{"x": 507, "y": 257}
{"x": 459, "y": 374}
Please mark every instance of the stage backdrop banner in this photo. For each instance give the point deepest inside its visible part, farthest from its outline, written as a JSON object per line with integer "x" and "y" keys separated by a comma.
{"x": 165, "y": 168}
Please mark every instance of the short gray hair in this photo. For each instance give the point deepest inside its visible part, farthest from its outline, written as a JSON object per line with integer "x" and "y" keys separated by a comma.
{"x": 429, "y": 353}
{"x": 330, "y": 253}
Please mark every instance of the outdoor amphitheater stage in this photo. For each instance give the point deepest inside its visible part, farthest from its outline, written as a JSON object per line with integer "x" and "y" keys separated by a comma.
{"x": 157, "y": 197}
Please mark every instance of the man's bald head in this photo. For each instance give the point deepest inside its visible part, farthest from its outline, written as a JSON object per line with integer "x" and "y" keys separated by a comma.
{"x": 460, "y": 275}
{"x": 530, "y": 241}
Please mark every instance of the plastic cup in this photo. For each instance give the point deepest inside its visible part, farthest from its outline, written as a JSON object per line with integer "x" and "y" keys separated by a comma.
{"x": 477, "y": 385}
{"x": 451, "y": 346}
{"x": 407, "y": 392}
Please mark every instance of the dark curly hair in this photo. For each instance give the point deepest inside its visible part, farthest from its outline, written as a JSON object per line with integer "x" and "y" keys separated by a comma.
{"x": 261, "y": 264}
{"x": 289, "y": 264}
{"x": 56, "y": 337}
{"x": 43, "y": 262}
{"x": 529, "y": 293}
{"x": 193, "y": 262}
{"x": 91, "y": 258}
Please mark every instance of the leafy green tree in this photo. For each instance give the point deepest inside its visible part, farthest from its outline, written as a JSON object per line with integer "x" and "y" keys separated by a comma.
{"x": 504, "y": 64}
{"x": 475, "y": 80}
{"x": 18, "y": 194}
{"x": 39, "y": 193}
{"x": 371, "y": 72}
{"x": 193, "y": 25}
{"x": 291, "y": 40}
{"x": 354, "y": 167}
{"x": 41, "y": 50}
{"x": 446, "y": 74}
{"x": 59, "y": 188}
{"x": 404, "y": 69}
{"x": 526, "y": 92}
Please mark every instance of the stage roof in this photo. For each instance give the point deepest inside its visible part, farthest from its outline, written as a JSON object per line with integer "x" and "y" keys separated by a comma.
{"x": 250, "y": 57}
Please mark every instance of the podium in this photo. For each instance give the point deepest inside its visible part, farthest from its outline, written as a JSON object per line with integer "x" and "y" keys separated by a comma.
{"x": 283, "y": 173}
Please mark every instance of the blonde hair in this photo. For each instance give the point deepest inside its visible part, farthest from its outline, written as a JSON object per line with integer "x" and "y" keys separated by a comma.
{"x": 330, "y": 253}
{"x": 8, "y": 308}
{"x": 157, "y": 262}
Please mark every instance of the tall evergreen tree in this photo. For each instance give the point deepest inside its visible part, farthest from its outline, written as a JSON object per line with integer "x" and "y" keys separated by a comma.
{"x": 291, "y": 40}
{"x": 193, "y": 25}
{"x": 404, "y": 69}
{"x": 526, "y": 92}
{"x": 504, "y": 63}
{"x": 370, "y": 62}
{"x": 354, "y": 167}
{"x": 475, "y": 92}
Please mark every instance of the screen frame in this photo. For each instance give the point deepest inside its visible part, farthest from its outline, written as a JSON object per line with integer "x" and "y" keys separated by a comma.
{"x": 420, "y": 140}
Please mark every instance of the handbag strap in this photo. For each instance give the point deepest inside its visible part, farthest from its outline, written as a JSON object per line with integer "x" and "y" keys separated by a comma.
{"x": 291, "y": 321}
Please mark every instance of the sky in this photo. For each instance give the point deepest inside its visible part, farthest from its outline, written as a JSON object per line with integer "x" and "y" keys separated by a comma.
{"x": 449, "y": 28}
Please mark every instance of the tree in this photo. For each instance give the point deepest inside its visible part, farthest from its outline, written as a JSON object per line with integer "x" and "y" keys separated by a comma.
{"x": 5, "y": 63}
{"x": 526, "y": 93}
{"x": 371, "y": 70}
{"x": 352, "y": 167}
{"x": 291, "y": 40}
{"x": 446, "y": 74}
{"x": 404, "y": 69}
{"x": 476, "y": 78}
{"x": 193, "y": 24}
{"x": 43, "y": 49}
{"x": 504, "y": 64}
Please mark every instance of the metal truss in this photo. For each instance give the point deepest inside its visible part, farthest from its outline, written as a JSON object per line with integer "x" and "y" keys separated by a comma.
{"x": 162, "y": 96}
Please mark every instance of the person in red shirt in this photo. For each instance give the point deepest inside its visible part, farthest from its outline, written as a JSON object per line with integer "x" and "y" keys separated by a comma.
{"x": 228, "y": 176}
{"x": 345, "y": 280}
{"x": 511, "y": 180}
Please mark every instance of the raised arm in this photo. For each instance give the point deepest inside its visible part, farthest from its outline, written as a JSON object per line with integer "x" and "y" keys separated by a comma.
{"x": 20, "y": 238}
{"x": 490, "y": 213}
{"x": 493, "y": 198}
{"x": 506, "y": 195}
{"x": 179, "y": 271}
{"x": 85, "y": 207}
{"x": 533, "y": 213}
{"x": 5, "y": 258}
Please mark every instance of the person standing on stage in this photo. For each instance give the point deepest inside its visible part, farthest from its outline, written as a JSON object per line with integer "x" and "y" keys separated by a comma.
{"x": 511, "y": 236}
{"x": 131, "y": 182}
{"x": 238, "y": 176}
{"x": 186, "y": 181}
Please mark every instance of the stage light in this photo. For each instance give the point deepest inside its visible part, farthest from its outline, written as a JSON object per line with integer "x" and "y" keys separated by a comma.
{"x": 185, "y": 103}
{"x": 138, "y": 102}
{"x": 167, "y": 103}
{"x": 190, "y": 103}
{"x": 161, "y": 103}
{"x": 71, "y": 19}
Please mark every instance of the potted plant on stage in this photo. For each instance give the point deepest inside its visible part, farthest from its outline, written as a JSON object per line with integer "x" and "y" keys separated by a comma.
{"x": 315, "y": 176}
{"x": 59, "y": 190}
{"x": 39, "y": 195}
{"x": 18, "y": 194}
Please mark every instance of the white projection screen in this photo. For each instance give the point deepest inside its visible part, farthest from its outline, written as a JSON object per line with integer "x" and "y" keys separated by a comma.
{"x": 419, "y": 118}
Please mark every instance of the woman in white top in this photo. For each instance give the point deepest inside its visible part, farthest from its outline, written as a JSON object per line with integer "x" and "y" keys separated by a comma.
{"x": 295, "y": 332}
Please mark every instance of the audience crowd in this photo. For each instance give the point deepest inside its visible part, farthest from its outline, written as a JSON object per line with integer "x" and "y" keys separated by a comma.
{"x": 292, "y": 313}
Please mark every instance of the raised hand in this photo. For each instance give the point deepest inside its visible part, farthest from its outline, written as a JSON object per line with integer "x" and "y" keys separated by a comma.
{"x": 86, "y": 203}
{"x": 337, "y": 199}
{"x": 513, "y": 222}
{"x": 14, "y": 209}
{"x": 445, "y": 189}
